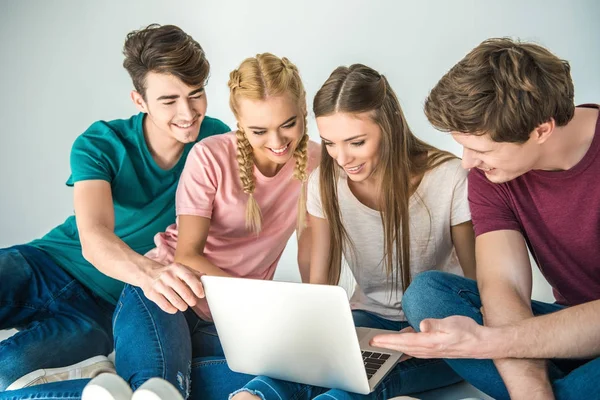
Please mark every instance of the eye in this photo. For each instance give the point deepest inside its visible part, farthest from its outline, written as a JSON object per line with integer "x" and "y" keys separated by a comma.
{"x": 196, "y": 97}
{"x": 169, "y": 103}
{"x": 290, "y": 125}
{"x": 259, "y": 132}
{"x": 358, "y": 144}
{"x": 328, "y": 144}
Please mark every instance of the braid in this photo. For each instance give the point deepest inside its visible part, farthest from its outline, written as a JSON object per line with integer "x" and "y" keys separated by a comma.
{"x": 301, "y": 156}
{"x": 245, "y": 161}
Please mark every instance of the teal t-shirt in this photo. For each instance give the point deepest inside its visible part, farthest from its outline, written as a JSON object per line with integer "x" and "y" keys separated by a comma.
{"x": 143, "y": 194}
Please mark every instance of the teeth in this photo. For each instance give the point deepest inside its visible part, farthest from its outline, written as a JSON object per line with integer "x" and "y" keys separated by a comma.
{"x": 354, "y": 168}
{"x": 279, "y": 151}
{"x": 184, "y": 125}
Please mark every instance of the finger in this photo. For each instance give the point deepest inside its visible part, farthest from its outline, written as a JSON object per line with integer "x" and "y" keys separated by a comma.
{"x": 430, "y": 325}
{"x": 160, "y": 301}
{"x": 182, "y": 290}
{"x": 405, "y": 357}
{"x": 173, "y": 297}
{"x": 192, "y": 280}
{"x": 408, "y": 329}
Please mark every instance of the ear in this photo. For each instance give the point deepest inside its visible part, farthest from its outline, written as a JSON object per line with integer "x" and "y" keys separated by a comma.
{"x": 543, "y": 131}
{"x": 138, "y": 101}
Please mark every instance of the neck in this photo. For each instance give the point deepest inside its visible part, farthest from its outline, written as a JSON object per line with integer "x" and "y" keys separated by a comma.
{"x": 165, "y": 150}
{"x": 568, "y": 144}
{"x": 267, "y": 167}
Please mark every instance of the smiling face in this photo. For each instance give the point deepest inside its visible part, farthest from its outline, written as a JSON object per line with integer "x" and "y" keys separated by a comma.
{"x": 273, "y": 127}
{"x": 353, "y": 141}
{"x": 174, "y": 110}
{"x": 501, "y": 162}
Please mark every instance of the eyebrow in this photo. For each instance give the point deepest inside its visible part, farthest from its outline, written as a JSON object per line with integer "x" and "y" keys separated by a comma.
{"x": 287, "y": 121}
{"x": 176, "y": 96}
{"x": 346, "y": 140}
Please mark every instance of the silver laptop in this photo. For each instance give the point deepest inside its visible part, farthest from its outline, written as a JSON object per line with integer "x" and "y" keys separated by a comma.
{"x": 296, "y": 332}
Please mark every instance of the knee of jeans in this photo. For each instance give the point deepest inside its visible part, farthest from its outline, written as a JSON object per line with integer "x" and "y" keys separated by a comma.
{"x": 423, "y": 296}
{"x": 179, "y": 379}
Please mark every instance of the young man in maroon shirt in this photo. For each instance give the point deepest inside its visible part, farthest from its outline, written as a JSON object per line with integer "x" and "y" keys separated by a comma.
{"x": 535, "y": 163}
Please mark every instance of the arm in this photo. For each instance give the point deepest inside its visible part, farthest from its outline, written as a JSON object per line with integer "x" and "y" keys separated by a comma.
{"x": 504, "y": 280}
{"x": 103, "y": 249}
{"x": 320, "y": 249}
{"x": 304, "y": 244}
{"x": 192, "y": 235}
{"x": 463, "y": 238}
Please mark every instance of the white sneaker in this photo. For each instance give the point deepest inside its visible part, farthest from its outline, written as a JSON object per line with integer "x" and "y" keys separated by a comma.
{"x": 156, "y": 389}
{"x": 89, "y": 368}
{"x": 107, "y": 387}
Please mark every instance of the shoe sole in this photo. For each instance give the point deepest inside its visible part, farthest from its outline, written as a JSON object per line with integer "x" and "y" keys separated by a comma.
{"x": 107, "y": 387}
{"x": 27, "y": 380}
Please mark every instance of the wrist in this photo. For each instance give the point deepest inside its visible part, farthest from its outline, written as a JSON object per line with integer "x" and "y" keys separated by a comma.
{"x": 143, "y": 271}
{"x": 499, "y": 342}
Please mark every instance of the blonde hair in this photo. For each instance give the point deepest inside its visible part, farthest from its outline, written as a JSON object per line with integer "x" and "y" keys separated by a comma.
{"x": 257, "y": 78}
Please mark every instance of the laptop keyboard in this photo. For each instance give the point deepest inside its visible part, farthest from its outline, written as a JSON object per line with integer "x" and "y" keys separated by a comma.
{"x": 373, "y": 361}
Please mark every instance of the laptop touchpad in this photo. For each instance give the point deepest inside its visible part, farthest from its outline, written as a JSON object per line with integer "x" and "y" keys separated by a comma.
{"x": 362, "y": 333}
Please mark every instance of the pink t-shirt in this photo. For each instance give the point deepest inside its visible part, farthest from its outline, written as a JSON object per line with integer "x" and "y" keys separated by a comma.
{"x": 210, "y": 187}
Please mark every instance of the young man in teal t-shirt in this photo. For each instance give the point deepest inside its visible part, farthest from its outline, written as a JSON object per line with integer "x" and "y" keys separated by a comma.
{"x": 60, "y": 291}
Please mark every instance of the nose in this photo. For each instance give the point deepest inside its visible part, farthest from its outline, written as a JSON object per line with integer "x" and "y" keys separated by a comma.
{"x": 278, "y": 140}
{"x": 469, "y": 159}
{"x": 343, "y": 157}
{"x": 185, "y": 110}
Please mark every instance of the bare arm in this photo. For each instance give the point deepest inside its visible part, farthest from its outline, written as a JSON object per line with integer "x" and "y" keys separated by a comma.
{"x": 463, "y": 238}
{"x": 320, "y": 249}
{"x": 103, "y": 249}
{"x": 504, "y": 280}
{"x": 304, "y": 244}
{"x": 192, "y": 235}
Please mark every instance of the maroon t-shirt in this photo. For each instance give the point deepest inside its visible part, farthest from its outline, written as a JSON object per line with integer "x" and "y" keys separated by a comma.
{"x": 558, "y": 213}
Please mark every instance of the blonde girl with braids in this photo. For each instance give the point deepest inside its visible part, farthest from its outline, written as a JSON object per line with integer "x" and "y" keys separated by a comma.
{"x": 389, "y": 204}
{"x": 240, "y": 198}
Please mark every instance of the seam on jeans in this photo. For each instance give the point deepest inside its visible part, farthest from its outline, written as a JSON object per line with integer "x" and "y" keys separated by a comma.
{"x": 270, "y": 387}
{"x": 301, "y": 393}
{"x": 118, "y": 310}
{"x": 160, "y": 347}
{"x": 66, "y": 288}
{"x": 206, "y": 333}
{"x": 208, "y": 363}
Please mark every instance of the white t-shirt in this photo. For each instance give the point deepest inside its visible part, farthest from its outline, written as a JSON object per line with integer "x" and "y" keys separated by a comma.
{"x": 443, "y": 190}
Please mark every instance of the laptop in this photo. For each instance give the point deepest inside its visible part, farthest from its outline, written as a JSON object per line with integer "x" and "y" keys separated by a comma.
{"x": 295, "y": 332}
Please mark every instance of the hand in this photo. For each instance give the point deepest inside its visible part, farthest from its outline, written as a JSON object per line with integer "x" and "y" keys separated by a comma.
{"x": 173, "y": 287}
{"x": 408, "y": 329}
{"x": 452, "y": 337}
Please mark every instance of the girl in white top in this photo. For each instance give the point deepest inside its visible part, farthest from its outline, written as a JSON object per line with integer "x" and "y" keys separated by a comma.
{"x": 389, "y": 204}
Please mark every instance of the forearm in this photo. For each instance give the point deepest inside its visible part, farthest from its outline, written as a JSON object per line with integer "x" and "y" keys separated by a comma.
{"x": 569, "y": 333}
{"x": 523, "y": 378}
{"x": 199, "y": 263}
{"x": 111, "y": 256}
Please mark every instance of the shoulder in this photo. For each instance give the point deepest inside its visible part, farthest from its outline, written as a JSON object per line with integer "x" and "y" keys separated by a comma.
{"x": 314, "y": 155}
{"x": 216, "y": 150}
{"x": 107, "y": 135}
{"x": 212, "y": 126}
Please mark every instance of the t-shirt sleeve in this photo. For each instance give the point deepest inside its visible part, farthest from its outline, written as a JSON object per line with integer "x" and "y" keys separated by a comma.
{"x": 198, "y": 183}
{"x": 313, "y": 196}
{"x": 94, "y": 155}
{"x": 460, "y": 203}
{"x": 212, "y": 126}
{"x": 490, "y": 205}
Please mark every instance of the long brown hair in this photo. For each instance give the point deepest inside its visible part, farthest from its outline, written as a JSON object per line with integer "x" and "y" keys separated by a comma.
{"x": 256, "y": 78}
{"x": 360, "y": 89}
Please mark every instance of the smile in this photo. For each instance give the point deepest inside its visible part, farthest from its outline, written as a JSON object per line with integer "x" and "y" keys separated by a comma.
{"x": 184, "y": 125}
{"x": 281, "y": 151}
{"x": 354, "y": 170}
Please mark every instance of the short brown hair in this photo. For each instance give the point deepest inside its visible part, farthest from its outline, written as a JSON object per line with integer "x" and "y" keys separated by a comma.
{"x": 164, "y": 49}
{"x": 505, "y": 88}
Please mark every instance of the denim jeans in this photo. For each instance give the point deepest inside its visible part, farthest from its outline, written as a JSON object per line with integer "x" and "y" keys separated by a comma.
{"x": 60, "y": 322}
{"x": 435, "y": 294}
{"x": 410, "y": 376}
{"x": 151, "y": 343}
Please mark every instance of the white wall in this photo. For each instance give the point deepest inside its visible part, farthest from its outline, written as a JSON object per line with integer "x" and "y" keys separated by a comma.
{"x": 61, "y": 68}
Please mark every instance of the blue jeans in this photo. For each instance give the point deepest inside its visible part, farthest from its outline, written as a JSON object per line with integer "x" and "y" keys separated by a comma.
{"x": 410, "y": 376}
{"x": 60, "y": 322}
{"x": 435, "y": 294}
{"x": 151, "y": 343}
